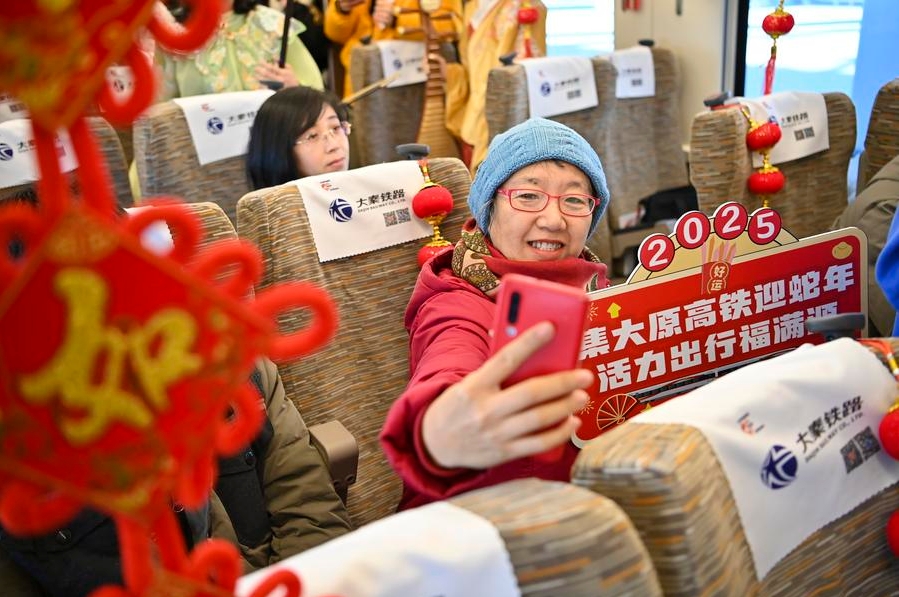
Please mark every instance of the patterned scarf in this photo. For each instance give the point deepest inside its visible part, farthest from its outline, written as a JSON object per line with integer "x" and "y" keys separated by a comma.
{"x": 479, "y": 263}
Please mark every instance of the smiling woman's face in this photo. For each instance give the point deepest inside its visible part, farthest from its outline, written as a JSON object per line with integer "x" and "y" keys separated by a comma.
{"x": 324, "y": 147}
{"x": 543, "y": 235}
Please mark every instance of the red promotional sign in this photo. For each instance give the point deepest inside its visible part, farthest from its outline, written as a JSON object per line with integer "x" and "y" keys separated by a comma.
{"x": 727, "y": 303}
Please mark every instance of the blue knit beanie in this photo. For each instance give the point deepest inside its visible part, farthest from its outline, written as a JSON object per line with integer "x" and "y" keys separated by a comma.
{"x": 532, "y": 141}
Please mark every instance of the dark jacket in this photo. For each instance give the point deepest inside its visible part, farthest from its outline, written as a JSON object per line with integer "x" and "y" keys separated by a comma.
{"x": 302, "y": 506}
{"x": 278, "y": 509}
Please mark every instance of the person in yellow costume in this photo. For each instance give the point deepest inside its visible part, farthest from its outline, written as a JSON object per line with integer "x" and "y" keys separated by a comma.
{"x": 348, "y": 21}
{"x": 491, "y": 31}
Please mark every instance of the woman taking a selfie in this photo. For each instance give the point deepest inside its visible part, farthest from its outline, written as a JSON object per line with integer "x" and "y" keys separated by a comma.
{"x": 297, "y": 132}
{"x": 536, "y": 198}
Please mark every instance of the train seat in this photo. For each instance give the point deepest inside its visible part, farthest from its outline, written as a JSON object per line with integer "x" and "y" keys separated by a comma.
{"x": 364, "y": 369}
{"x": 882, "y": 138}
{"x": 167, "y": 162}
{"x": 216, "y": 224}
{"x": 389, "y": 116}
{"x": 671, "y": 483}
{"x": 637, "y": 139}
{"x": 816, "y": 189}
{"x": 560, "y": 540}
{"x": 335, "y": 444}
{"x": 112, "y": 154}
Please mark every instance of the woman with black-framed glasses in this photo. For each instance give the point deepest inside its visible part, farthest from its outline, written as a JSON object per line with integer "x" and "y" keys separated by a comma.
{"x": 298, "y": 132}
{"x": 536, "y": 198}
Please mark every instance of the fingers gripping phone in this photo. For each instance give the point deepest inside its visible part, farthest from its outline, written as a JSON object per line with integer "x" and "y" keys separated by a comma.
{"x": 524, "y": 301}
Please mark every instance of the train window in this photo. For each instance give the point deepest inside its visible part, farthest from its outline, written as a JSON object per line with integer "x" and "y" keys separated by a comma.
{"x": 580, "y": 27}
{"x": 817, "y": 55}
{"x": 835, "y": 45}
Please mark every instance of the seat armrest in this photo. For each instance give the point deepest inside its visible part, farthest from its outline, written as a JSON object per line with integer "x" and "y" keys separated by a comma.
{"x": 340, "y": 452}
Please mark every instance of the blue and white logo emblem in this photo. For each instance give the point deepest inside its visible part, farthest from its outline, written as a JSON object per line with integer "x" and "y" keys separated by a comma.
{"x": 215, "y": 125}
{"x": 340, "y": 210}
{"x": 779, "y": 468}
{"x": 6, "y": 152}
{"x": 397, "y": 63}
{"x": 545, "y": 88}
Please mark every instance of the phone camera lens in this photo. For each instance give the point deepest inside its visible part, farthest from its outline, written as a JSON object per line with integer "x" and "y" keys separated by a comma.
{"x": 514, "y": 303}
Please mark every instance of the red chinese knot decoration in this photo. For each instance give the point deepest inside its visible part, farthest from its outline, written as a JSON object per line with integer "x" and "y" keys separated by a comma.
{"x": 119, "y": 367}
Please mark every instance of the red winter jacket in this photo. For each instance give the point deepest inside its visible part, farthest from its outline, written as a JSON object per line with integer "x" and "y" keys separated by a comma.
{"x": 448, "y": 321}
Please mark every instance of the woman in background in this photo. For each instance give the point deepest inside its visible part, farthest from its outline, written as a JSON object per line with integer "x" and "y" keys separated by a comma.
{"x": 243, "y": 53}
{"x": 298, "y": 132}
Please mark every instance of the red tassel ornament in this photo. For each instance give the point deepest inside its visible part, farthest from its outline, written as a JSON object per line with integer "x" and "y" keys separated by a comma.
{"x": 775, "y": 24}
{"x": 527, "y": 16}
{"x": 762, "y": 137}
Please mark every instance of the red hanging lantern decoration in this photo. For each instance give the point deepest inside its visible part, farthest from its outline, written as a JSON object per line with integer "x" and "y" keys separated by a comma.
{"x": 775, "y": 24}
{"x": 767, "y": 181}
{"x": 762, "y": 138}
{"x": 432, "y": 204}
{"x": 527, "y": 16}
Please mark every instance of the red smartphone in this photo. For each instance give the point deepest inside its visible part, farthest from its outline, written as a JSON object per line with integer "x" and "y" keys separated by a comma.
{"x": 524, "y": 301}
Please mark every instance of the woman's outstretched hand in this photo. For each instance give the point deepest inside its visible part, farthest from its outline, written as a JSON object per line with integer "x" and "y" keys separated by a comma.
{"x": 477, "y": 424}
